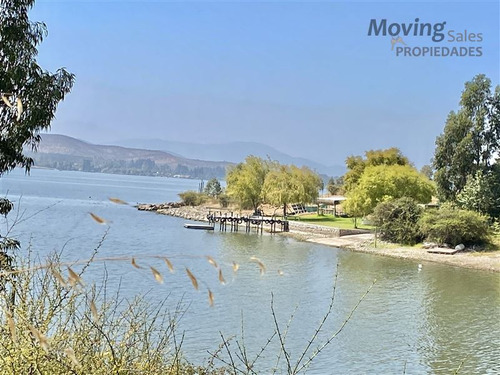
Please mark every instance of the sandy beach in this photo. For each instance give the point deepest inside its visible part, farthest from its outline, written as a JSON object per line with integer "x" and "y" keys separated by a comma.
{"x": 488, "y": 261}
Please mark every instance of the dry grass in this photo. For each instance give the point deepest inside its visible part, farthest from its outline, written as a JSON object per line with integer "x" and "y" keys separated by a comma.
{"x": 57, "y": 325}
{"x": 53, "y": 322}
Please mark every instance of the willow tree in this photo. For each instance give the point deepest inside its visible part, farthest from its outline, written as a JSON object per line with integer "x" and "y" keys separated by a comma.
{"x": 29, "y": 93}
{"x": 289, "y": 184}
{"x": 244, "y": 182}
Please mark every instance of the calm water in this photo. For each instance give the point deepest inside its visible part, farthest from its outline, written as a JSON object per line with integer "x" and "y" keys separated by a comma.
{"x": 431, "y": 319}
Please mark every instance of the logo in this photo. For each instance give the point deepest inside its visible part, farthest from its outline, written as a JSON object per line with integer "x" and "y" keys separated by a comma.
{"x": 425, "y": 39}
{"x": 396, "y": 40}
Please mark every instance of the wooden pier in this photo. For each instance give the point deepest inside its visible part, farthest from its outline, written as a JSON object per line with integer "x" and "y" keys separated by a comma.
{"x": 233, "y": 222}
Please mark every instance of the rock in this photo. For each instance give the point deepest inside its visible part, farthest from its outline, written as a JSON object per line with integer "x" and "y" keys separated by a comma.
{"x": 159, "y": 206}
{"x": 146, "y": 207}
{"x": 460, "y": 247}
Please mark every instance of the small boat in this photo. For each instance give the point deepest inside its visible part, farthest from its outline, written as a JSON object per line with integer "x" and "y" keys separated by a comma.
{"x": 199, "y": 226}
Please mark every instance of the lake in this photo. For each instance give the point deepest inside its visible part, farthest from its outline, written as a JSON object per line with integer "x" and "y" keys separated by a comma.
{"x": 426, "y": 320}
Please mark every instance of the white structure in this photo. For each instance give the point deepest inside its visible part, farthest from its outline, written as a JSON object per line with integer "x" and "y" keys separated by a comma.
{"x": 333, "y": 200}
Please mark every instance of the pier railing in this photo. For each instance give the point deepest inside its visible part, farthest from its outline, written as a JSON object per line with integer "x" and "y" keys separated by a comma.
{"x": 234, "y": 222}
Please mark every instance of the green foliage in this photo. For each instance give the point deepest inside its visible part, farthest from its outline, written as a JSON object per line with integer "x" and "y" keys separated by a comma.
{"x": 398, "y": 221}
{"x": 192, "y": 198}
{"x": 482, "y": 193}
{"x": 308, "y": 184}
{"x": 30, "y": 94}
{"x": 290, "y": 184}
{"x": 335, "y": 186}
{"x": 427, "y": 171}
{"x": 245, "y": 181}
{"x": 257, "y": 181}
{"x": 390, "y": 156}
{"x": 387, "y": 182}
{"x": 29, "y": 97}
{"x": 356, "y": 164}
{"x": 454, "y": 226}
{"x": 213, "y": 188}
{"x": 495, "y": 227}
{"x": 470, "y": 140}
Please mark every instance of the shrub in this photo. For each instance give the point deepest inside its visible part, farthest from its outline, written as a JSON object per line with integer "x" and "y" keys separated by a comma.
{"x": 495, "y": 227}
{"x": 192, "y": 198}
{"x": 224, "y": 200}
{"x": 398, "y": 221}
{"x": 454, "y": 226}
{"x": 58, "y": 325}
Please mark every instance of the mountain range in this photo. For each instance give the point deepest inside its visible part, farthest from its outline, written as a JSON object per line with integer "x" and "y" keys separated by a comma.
{"x": 158, "y": 157}
{"x": 67, "y": 153}
{"x": 233, "y": 152}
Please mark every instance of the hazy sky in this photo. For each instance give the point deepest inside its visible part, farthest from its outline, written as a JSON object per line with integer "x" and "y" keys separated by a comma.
{"x": 303, "y": 77}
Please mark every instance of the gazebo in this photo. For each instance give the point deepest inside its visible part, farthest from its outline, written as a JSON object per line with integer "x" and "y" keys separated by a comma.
{"x": 333, "y": 200}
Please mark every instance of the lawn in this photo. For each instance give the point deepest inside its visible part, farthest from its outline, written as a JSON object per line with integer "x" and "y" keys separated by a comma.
{"x": 330, "y": 221}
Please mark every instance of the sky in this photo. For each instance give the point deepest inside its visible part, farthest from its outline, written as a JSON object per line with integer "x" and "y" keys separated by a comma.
{"x": 303, "y": 77}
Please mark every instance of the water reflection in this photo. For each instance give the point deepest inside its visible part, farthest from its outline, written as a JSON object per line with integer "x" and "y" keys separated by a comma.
{"x": 429, "y": 319}
{"x": 455, "y": 301}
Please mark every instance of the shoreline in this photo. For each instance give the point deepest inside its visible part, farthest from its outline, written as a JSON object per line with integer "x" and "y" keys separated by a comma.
{"x": 487, "y": 261}
{"x": 359, "y": 242}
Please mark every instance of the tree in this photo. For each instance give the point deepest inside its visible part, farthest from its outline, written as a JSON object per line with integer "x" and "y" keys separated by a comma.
{"x": 356, "y": 164}
{"x": 355, "y": 168}
{"x": 290, "y": 184}
{"x": 481, "y": 193}
{"x": 471, "y": 139}
{"x": 29, "y": 94}
{"x": 335, "y": 185}
{"x": 308, "y": 183}
{"x": 386, "y": 182}
{"x": 279, "y": 187}
{"x": 427, "y": 171}
{"x": 398, "y": 220}
{"x": 213, "y": 188}
{"x": 257, "y": 181}
{"x": 245, "y": 181}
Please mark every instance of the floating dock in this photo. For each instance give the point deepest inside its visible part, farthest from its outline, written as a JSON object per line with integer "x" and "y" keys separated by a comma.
{"x": 199, "y": 226}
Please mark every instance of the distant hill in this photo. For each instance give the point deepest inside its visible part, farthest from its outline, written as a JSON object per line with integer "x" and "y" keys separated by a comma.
{"x": 233, "y": 152}
{"x": 67, "y": 153}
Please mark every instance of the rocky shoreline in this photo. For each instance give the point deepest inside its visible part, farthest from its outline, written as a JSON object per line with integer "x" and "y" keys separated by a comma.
{"x": 354, "y": 240}
{"x": 177, "y": 209}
